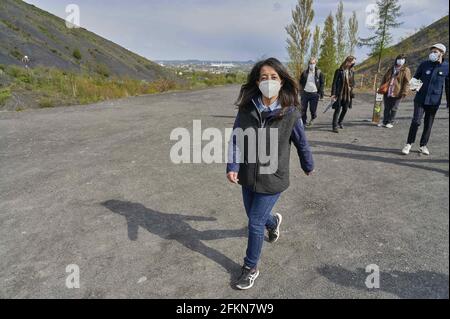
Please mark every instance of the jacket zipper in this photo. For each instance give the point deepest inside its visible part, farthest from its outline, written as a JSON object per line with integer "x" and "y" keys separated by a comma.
{"x": 261, "y": 125}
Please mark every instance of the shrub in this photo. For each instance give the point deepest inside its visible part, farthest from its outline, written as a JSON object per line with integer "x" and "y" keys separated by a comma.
{"x": 77, "y": 54}
{"x": 163, "y": 85}
{"x": 103, "y": 70}
{"x": 19, "y": 73}
{"x": 16, "y": 53}
{"x": 46, "y": 102}
{"x": 5, "y": 94}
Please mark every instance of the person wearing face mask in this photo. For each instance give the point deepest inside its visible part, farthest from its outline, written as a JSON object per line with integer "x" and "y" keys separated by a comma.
{"x": 434, "y": 77}
{"x": 397, "y": 78}
{"x": 311, "y": 90}
{"x": 342, "y": 91}
{"x": 269, "y": 100}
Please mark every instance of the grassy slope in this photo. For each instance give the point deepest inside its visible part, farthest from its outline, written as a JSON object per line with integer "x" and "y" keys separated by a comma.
{"x": 27, "y": 30}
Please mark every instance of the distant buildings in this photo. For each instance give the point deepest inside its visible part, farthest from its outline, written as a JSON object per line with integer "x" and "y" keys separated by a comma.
{"x": 223, "y": 65}
{"x": 214, "y": 67}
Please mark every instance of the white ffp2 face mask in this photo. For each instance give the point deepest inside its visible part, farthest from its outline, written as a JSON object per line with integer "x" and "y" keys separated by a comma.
{"x": 270, "y": 88}
{"x": 401, "y": 62}
{"x": 434, "y": 56}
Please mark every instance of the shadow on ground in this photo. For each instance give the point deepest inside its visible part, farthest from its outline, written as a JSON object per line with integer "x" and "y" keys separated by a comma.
{"x": 400, "y": 159}
{"x": 175, "y": 227}
{"x": 418, "y": 285}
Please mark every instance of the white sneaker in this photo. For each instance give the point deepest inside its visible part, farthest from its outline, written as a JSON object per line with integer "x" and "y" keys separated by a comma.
{"x": 380, "y": 125}
{"x": 424, "y": 150}
{"x": 390, "y": 126}
{"x": 407, "y": 149}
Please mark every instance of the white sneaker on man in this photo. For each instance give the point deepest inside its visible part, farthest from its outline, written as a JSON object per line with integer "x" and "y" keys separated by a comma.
{"x": 424, "y": 150}
{"x": 389, "y": 125}
{"x": 407, "y": 149}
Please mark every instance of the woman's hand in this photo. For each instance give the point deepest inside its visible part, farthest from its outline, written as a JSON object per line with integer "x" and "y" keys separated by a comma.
{"x": 233, "y": 177}
{"x": 333, "y": 97}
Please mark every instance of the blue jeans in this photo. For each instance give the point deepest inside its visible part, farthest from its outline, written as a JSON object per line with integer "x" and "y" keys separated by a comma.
{"x": 259, "y": 212}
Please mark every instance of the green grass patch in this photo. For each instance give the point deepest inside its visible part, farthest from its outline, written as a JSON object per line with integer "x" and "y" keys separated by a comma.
{"x": 10, "y": 25}
{"x": 5, "y": 94}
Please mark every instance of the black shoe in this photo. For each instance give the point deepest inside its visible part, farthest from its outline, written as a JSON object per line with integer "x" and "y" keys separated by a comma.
{"x": 311, "y": 123}
{"x": 274, "y": 234}
{"x": 247, "y": 278}
{"x": 341, "y": 126}
{"x": 335, "y": 130}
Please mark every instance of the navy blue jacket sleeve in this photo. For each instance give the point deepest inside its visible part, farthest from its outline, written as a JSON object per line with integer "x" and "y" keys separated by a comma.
{"x": 298, "y": 138}
{"x": 419, "y": 72}
{"x": 233, "y": 150}
{"x": 447, "y": 89}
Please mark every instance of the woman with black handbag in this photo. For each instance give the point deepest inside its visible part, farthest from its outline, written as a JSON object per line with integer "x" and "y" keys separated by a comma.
{"x": 342, "y": 91}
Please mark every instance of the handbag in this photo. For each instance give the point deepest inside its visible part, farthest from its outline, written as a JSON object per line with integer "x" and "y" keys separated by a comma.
{"x": 384, "y": 89}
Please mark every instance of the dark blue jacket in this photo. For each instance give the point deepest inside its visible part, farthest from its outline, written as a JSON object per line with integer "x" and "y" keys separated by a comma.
{"x": 434, "y": 76}
{"x": 290, "y": 131}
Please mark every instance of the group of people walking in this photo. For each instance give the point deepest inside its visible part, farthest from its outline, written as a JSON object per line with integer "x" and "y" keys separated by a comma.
{"x": 395, "y": 86}
{"x": 270, "y": 100}
{"x": 312, "y": 86}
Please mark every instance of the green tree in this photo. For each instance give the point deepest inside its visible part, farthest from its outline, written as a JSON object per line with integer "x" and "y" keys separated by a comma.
{"x": 340, "y": 33}
{"x": 299, "y": 35}
{"x": 327, "y": 61}
{"x": 315, "y": 49}
{"x": 352, "y": 34}
{"x": 388, "y": 14}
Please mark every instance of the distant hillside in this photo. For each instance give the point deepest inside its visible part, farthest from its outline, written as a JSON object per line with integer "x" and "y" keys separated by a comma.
{"x": 27, "y": 30}
{"x": 416, "y": 47}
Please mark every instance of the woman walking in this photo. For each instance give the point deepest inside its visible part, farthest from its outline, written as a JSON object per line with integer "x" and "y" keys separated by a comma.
{"x": 342, "y": 91}
{"x": 396, "y": 81}
{"x": 268, "y": 101}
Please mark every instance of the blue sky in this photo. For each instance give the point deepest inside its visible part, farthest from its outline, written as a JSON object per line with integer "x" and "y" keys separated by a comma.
{"x": 220, "y": 29}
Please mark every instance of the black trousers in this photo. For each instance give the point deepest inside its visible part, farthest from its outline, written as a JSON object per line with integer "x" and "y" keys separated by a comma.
{"x": 311, "y": 100}
{"x": 419, "y": 111}
{"x": 340, "y": 111}
{"x": 390, "y": 109}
